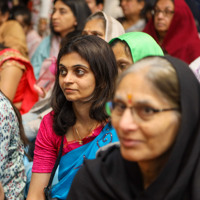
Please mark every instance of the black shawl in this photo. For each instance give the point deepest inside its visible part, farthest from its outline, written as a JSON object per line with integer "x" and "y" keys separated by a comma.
{"x": 111, "y": 177}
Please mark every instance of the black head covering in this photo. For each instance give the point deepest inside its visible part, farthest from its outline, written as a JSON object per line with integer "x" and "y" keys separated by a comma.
{"x": 177, "y": 177}
{"x": 109, "y": 175}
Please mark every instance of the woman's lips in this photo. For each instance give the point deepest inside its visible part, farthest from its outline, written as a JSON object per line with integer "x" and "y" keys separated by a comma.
{"x": 130, "y": 142}
{"x": 69, "y": 90}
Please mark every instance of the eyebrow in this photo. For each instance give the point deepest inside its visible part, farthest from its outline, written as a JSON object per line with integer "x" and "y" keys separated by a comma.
{"x": 74, "y": 66}
{"x": 137, "y": 102}
{"x": 123, "y": 60}
{"x": 167, "y": 7}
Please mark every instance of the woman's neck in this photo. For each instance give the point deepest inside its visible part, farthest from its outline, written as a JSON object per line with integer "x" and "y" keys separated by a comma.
{"x": 131, "y": 20}
{"x": 84, "y": 123}
{"x": 151, "y": 169}
{"x": 64, "y": 33}
{"x": 161, "y": 37}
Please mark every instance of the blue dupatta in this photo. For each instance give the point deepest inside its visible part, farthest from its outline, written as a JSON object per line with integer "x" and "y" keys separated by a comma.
{"x": 71, "y": 162}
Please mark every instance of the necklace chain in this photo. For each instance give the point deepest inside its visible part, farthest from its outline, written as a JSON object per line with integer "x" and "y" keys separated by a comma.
{"x": 77, "y": 133}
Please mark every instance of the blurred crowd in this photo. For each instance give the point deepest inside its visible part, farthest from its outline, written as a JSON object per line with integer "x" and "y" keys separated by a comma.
{"x": 63, "y": 65}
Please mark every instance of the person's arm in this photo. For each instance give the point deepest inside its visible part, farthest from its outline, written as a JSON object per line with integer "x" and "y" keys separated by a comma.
{"x": 38, "y": 182}
{"x": 1, "y": 192}
{"x": 45, "y": 155}
{"x": 10, "y": 78}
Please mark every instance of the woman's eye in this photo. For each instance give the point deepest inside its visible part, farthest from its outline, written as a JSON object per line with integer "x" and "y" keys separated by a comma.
{"x": 80, "y": 72}
{"x": 63, "y": 72}
{"x": 118, "y": 107}
{"x": 122, "y": 66}
{"x": 62, "y": 12}
{"x": 146, "y": 111}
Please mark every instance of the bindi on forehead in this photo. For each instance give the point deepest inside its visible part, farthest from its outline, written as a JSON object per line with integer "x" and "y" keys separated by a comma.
{"x": 129, "y": 97}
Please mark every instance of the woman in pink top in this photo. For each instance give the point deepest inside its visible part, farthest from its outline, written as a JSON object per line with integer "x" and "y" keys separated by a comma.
{"x": 85, "y": 81}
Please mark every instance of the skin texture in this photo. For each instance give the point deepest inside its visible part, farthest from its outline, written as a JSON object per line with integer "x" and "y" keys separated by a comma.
{"x": 123, "y": 57}
{"x": 95, "y": 27}
{"x": 131, "y": 7}
{"x": 131, "y": 10}
{"x": 162, "y": 22}
{"x": 144, "y": 141}
{"x": 1, "y": 192}
{"x": 9, "y": 84}
{"x": 76, "y": 79}
{"x": 62, "y": 14}
{"x": 93, "y": 6}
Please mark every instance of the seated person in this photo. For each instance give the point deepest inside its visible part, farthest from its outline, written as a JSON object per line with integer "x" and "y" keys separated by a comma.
{"x": 133, "y": 46}
{"x": 23, "y": 15}
{"x": 12, "y": 143}
{"x": 156, "y": 115}
{"x": 85, "y": 81}
{"x": 103, "y": 26}
{"x": 95, "y": 5}
{"x": 17, "y": 79}
{"x": 174, "y": 29}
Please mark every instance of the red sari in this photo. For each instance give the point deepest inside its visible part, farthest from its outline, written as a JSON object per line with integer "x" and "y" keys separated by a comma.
{"x": 25, "y": 92}
{"x": 182, "y": 39}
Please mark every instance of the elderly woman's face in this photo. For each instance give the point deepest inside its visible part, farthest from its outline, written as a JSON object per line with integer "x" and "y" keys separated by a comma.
{"x": 145, "y": 132}
{"x": 163, "y": 15}
{"x": 122, "y": 56}
{"x": 94, "y": 27}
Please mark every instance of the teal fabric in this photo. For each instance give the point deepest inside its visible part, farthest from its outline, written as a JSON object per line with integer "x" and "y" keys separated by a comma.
{"x": 71, "y": 162}
{"x": 141, "y": 45}
{"x": 42, "y": 52}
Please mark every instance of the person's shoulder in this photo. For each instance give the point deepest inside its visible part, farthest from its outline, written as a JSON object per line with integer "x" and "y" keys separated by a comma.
{"x": 12, "y": 23}
{"x": 5, "y": 103}
{"x": 48, "y": 118}
{"x": 107, "y": 150}
{"x": 105, "y": 155}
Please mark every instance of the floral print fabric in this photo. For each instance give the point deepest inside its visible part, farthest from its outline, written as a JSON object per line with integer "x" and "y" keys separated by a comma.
{"x": 12, "y": 174}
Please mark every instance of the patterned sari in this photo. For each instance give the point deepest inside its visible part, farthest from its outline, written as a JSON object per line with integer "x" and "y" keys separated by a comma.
{"x": 71, "y": 162}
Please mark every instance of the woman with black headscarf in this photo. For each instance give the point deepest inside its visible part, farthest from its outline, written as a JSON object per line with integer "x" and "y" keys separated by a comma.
{"x": 156, "y": 115}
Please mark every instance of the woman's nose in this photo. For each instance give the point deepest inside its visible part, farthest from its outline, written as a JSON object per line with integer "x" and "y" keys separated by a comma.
{"x": 128, "y": 122}
{"x": 68, "y": 78}
{"x": 55, "y": 15}
{"x": 160, "y": 14}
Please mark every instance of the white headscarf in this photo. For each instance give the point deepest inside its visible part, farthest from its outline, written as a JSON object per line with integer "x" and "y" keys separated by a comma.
{"x": 113, "y": 27}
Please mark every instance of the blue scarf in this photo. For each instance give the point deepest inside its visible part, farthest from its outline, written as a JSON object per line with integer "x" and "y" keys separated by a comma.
{"x": 71, "y": 162}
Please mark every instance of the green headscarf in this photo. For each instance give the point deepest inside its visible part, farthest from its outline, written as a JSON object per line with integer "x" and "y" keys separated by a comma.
{"x": 140, "y": 44}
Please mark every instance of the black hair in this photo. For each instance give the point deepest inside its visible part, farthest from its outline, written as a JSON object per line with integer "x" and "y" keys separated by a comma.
{"x": 80, "y": 10}
{"x": 4, "y": 7}
{"x": 69, "y": 36}
{"x": 102, "y": 62}
{"x": 99, "y": 2}
{"x": 24, "y": 11}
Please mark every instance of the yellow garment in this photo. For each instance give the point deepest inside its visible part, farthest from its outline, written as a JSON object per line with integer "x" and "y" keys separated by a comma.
{"x": 12, "y": 36}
